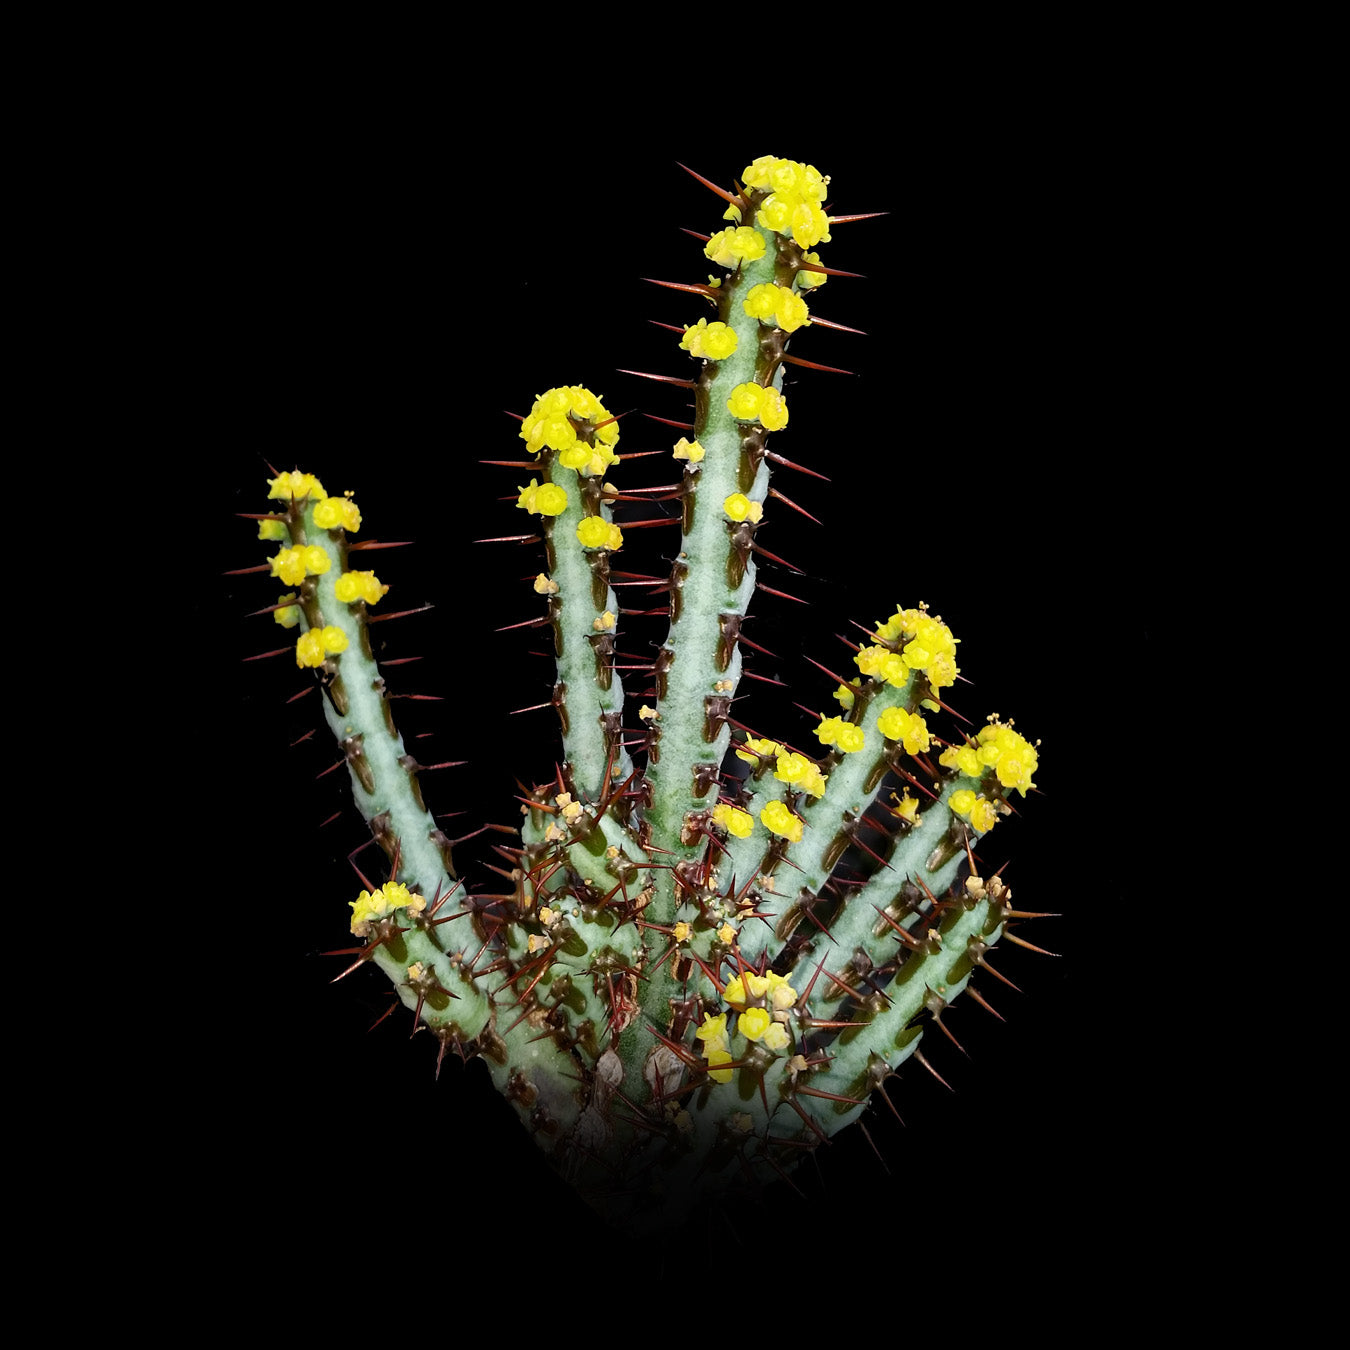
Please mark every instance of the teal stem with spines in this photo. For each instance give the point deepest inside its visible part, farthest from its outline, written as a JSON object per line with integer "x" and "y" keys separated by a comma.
{"x": 470, "y": 1000}
{"x": 858, "y": 924}
{"x": 421, "y": 863}
{"x": 883, "y": 1033}
{"x": 584, "y": 742}
{"x": 705, "y": 551}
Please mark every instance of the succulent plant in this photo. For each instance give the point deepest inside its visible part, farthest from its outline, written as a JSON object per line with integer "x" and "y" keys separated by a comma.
{"x": 715, "y": 934}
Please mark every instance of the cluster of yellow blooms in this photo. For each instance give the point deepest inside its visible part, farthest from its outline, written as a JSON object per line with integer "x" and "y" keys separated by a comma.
{"x": 777, "y": 305}
{"x": 338, "y": 513}
{"x": 929, "y": 647}
{"x": 735, "y": 245}
{"x": 550, "y": 423}
{"x": 318, "y": 644}
{"x": 715, "y": 340}
{"x": 777, "y": 819}
{"x": 846, "y": 735}
{"x": 739, "y": 507}
{"x": 733, "y": 821}
{"x": 382, "y": 901}
{"x": 898, "y": 724}
{"x": 800, "y": 772}
{"x": 980, "y": 811}
{"x": 793, "y": 206}
{"x": 542, "y": 499}
{"x": 761, "y": 1003}
{"x": 687, "y": 449}
{"x": 1011, "y": 756}
{"x": 755, "y": 747}
{"x": 353, "y": 586}
{"x": 289, "y": 486}
{"x": 293, "y": 565}
{"x": 597, "y": 532}
{"x": 755, "y": 403}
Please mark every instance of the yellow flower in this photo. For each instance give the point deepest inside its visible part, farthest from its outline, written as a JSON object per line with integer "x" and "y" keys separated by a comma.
{"x": 714, "y": 1029}
{"x": 550, "y": 422}
{"x": 597, "y": 532}
{"x": 755, "y": 749}
{"x": 353, "y": 586}
{"x": 733, "y": 821}
{"x": 690, "y": 450}
{"x": 984, "y": 815}
{"x": 777, "y": 819}
{"x": 336, "y": 513}
{"x": 271, "y": 531}
{"x": 776, "y": 305}
{"x": 753, "y": 1023}
{"x": 776, "y": 1037}
{"x": 716, "y": 1058}
{"x": 713, "y": 341}
{"x": 545, "y": 585}
{"x": 809, "y": 281}
{"x": 733, "y": 246}
{"x": 754, "y": 403}
{"x": 739, "y": 507}
{"x": 898, "y": 724}
{"x": 963, "y": 802}
{"x": 604, "y": 623}
{"x": 289, "y": 615}
{"x": 289, "y": 486}
{"x": 318, "y": 643}
{"x": 835, "y": 731}
{"x": 542, "y": 499}
{"x": 681, "y": 931}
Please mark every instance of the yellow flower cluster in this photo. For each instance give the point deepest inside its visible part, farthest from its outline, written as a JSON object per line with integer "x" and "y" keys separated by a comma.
{"x": 898, "y": 724}
{"x": 755, "y": 748}
{"x": 979, "y": 810}
{"x": 690, "y": 450}
{"x": 542, "y": 499}
{"x": 353, "y": 586}
{"x": 315, "y": 646}
{"x": 739, "y": 507}
{"x": 800, "y": 772}
{"x": 383, "y": 900}
{"x": 1011, "y": 756}
{"x": 293, "y": 565}
{"x": 793, "y": 206}
{"x": 715, "y": 340}
{"x": 777, "y": 819}
{"x": 597, "y": 532}
{"x": 930, "y": 646}
{"x": 777, "y": 305}
{"x": 846, "y": 735}
{"x": 754, "y": 403}
{"x": 762, "y": 1002}
{"x": 289, "y": 486}
{"x": 733, "y": 821}
{"x": 550, "y": 423}
{"x": 338, "y": 513}
{"x": 735, "y": 245}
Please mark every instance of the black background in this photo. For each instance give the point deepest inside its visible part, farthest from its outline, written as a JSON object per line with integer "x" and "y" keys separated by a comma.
{"x": 369, "y": 308}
